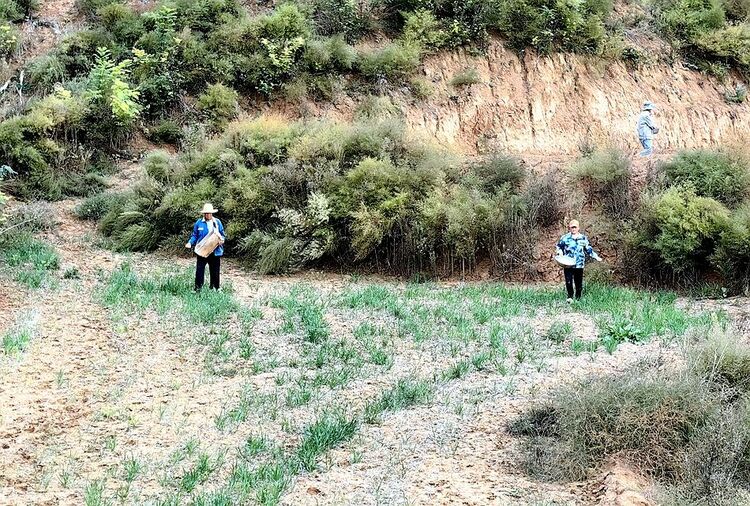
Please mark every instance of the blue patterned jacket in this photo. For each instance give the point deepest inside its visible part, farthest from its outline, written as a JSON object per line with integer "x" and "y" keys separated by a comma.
{"x": 577, "y": 247}
{"x": 201, "y": 230}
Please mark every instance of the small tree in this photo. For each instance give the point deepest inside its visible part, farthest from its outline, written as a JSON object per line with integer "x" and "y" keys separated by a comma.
{"x": 107, "y": 87}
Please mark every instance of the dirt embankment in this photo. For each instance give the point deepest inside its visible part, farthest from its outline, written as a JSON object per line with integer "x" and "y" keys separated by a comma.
{"x": 547, "y": 105}
{"x": 551, "y": 106}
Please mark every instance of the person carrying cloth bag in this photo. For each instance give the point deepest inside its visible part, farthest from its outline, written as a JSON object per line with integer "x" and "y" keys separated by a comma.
{"x": 208, "y": 239}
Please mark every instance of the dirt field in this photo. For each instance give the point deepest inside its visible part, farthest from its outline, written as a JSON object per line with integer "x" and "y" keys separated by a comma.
{"x": 132, "y": 390}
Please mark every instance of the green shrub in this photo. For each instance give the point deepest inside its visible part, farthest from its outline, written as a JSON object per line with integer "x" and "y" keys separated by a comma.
{"x": 466, "y": 78}
{"x": 394, "y": 61}
{"x": 329, "y": 55}
{"x": 718, "y": 175}
{"x": 732, "y": 257}
{"x": 605, "y": 176}
{"x": 547, "y": 25}
{"x": 15, "y": 10}
{"x": 423, "y": 28}
{"x": 559, "y": 331}
{"x": 738, "y": 10}
{"x": 332, "y": 17}
{"x": 219, "y": 104}
{"x": 158, "y": 165}
{"x": 96, "y": 206}
{"x": 166, "y": 131}
{"x": 375, "y": 107}
{"x": 10, "y": 11}
{"x": 730, "y": 45}
{"x": 90, "y": 7}
{"x": 686, "y": 20}
{"x": 9, "y": 40}
{"x": 45, "y": 71}
{"x": 736, "y": 96}
{"x": 681, "y": 228}
{"x": 497, "y": 171}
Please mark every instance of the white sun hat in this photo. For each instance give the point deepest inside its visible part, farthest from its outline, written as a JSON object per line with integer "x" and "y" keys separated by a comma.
{"x": 208, "y": 208}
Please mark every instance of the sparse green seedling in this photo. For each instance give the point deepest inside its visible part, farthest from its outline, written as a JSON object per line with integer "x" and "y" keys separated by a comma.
{"x": 132, "y": 467}
{"x": 457, "y": 370}
{"x": 71, "y": 273}
{"x": 559, "y": 331}
{"x": 94, "y": 493}
{"x": 329, "y": 431}
{"x": 15, "y": 341}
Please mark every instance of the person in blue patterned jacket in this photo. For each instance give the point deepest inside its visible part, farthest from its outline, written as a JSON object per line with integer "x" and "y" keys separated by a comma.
{"x": 204, "y": 226}
{"x": 575, "y": 244}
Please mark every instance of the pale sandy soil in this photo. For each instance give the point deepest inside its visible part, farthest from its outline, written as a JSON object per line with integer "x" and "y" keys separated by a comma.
{"x": 94, "y": 389}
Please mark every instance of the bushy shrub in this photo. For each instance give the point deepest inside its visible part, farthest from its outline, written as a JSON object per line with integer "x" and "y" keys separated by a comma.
{"x": 732, "y": 257}
{"x": 394, "y": 61}
{"x": 15, "y": 10}
{"x": 547, "y": 25}
{"x": 45, "y": 71}
{"x": 680, "y": 228}
{"x": 559, "y": 331}
{"x": 543, "y": 199}
{"x": 333, "y": 17}
{"x": 96, "y": 206}
{"x": 685, "y": 425}
{"x": 466, "y": 78}
{"x": 605, "y": 176}
{"x": 718, "y": 175}
{"x": 423, "y": 28}
{"x": 497, "y": 171}
{"x": 166, "y": 131}
{"x": 738, "y": 10}
{"x": 327, "y": 55}
{"x": 642, "y": 416}
{"x": 10, "y": 11}
{"x": 219, "y": 104}
{"x": 686, "y": 20}
{"x": 158, "y": 165}
{"x": 89, "y": 7}
{"x": 122, "y": 22}
{"x": 730, "y": 45}
{"x": 27, "y": 145}
{"x": 36, "y": 216}
{"x": 723, "y": 359}
{"x": 9, "y": 39}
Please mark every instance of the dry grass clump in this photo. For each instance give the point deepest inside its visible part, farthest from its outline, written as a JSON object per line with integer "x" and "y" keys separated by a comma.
{"x": 688, "y": 428}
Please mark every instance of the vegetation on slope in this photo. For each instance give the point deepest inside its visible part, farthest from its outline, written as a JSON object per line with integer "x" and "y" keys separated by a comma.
{"x": 687, "y": 428}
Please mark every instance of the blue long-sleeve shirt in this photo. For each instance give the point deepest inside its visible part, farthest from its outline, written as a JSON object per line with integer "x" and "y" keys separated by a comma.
{"x": 577, "y": 247}
{"x": 202, "y": 228}
{"x": 645, "y": 126}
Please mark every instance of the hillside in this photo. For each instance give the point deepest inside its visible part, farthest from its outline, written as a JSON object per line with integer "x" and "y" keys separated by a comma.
{"x": 393, "y": 177}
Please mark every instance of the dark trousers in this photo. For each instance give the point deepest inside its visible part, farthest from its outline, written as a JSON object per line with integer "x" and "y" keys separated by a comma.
{"x": 213, "y": 271}
{"x": 573, "y": 276}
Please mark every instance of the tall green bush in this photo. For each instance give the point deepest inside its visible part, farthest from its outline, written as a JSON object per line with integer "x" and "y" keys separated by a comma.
{"x": 681, "y": 228}
{"x": 732, "y": 257}
{"x": 605, "y": 176}
{"x": 219, "y": 104}
{"x": 722, "y": 176}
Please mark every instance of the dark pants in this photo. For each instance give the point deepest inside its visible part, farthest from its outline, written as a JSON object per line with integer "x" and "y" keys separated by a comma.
{"x": 213, "y": 271}
{"x": 573, "y": 276}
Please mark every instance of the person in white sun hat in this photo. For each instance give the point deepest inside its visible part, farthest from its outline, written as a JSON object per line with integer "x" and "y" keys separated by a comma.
{"x": 571, "y": 252}
{"x": 202, "y": 228}
{"x": 646, "y": 128}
